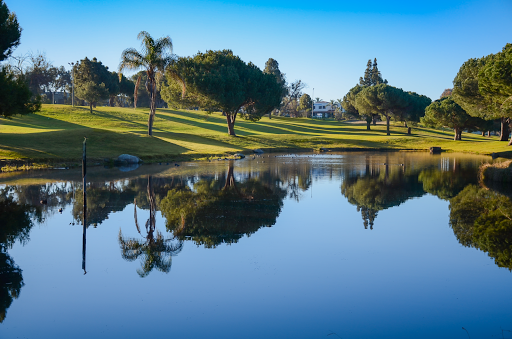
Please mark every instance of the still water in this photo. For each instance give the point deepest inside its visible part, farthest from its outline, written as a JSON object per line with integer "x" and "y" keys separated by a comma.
{"x": 347, "y": 245}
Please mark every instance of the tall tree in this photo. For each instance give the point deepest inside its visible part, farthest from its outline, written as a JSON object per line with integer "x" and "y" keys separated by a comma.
{"x": 385, "y": 100}
{"x": 366, "y": 80}
{"x": 305, "y": 104}
{"x": 92, "y": 81}
{"x": 372, "y": 77}
{"x": 415, "y": 108}
{"x": 272, "y": 67}
{"x": 349, "y": 102}
{"x": 376, "y": 77}
{"x": 467, "y": 93}
{"x": 219, "y": 79}
{"x": 10, "y": 31}
{"x": 15, "y": 96}
{"x": 447, "y": 113}
{"x": 155, "y": 56}
{"x": 495, "y": 83}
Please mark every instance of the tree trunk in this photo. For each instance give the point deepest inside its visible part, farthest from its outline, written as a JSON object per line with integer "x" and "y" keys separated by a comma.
{"x": 387, "y": 124}
{"x": 111, "y": 101}
{"x": 374, "y": 118}
{"x": 152, "y": 105}
{"x": 483, "y": 133}
{"x": 504, "y": 130}
{"x": 405, "y": 124}
{"x": 368, "y": 122}
{"x": 488, "y": 134}
{"x": 90, "y": 106}
{"x": 231, "y": 124}
{"x": 458, "y": 134}
{"x": 150, "y": 124}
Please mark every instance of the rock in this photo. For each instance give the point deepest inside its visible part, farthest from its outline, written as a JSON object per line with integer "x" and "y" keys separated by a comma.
{"x": 258, "y": 151}
{"x": 240, "y": 155}
{"x": 435, "y": 150}
{"x": 128, "y": 168}
{"x": 127, "y": 159}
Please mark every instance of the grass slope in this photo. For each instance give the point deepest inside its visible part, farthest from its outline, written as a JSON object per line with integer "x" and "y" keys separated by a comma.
{"x": 56, "y": 133}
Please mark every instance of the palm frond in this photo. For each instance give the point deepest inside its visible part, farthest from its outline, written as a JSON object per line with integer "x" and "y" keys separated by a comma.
{"x": 131, "y": 59}
{"x": 163, "y": 43}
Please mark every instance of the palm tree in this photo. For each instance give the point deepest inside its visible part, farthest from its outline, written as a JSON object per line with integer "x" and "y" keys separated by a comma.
{"x": 155, "y": 251}
{"x": 154, "y": 58}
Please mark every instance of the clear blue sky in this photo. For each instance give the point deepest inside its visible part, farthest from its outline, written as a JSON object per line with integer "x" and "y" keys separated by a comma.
{"x": 419, "y": 45}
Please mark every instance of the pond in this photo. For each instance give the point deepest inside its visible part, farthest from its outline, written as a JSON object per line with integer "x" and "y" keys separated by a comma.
{"x": 344, "y": 245}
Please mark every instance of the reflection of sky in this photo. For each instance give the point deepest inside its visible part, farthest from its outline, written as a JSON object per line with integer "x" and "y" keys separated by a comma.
{"x": 317, "y": 271}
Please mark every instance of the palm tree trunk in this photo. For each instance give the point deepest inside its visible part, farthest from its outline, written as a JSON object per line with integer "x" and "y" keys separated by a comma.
{"x": 152, "y": 108}
{"x": 387, "y": 124}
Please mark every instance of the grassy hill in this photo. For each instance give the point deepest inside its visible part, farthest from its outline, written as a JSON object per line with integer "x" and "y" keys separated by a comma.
{"x": 56, "y": 134}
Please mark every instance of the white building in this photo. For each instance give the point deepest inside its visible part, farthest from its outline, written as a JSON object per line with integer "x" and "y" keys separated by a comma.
{"x": 322, "y": 109}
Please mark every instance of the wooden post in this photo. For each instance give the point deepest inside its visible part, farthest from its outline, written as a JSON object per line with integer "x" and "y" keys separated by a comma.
{"x": 84, "y": 183}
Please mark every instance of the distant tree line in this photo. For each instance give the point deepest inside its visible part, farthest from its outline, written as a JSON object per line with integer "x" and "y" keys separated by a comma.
{"x": 373, "y": 98}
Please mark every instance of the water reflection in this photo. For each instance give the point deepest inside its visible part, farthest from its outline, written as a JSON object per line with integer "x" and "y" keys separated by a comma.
{"x": 15, "y": 224}
{"x": 222, "y": 210}
{"x": 482, "y": 218}
{"x": 221, "y": 205}
{"x": 382, "y": 185}
{"x": 154, "y": 250}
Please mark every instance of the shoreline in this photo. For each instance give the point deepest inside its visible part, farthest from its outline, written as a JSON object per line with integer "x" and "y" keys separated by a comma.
{"x": 20, "y": 165}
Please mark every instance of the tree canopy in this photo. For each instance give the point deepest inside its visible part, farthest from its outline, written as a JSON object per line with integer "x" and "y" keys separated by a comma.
{"x": 92, "y": 81}
{"x": 447, "y": 113}
{"x": 482, "y": 87}
{"x": 372, "y": 75}
{"x": 15, "y": 96}
{"x": 10, "y": 31}
{"x": 385, "y": 100}
{"x": 221, "y": 80}
{"x": 305, "y": 103}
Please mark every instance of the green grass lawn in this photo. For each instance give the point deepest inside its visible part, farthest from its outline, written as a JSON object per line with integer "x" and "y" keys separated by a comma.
{"x": 56, "y": 133}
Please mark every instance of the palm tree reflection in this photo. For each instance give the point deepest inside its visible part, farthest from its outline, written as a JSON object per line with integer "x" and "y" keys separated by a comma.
{"x": 155, "y": 251}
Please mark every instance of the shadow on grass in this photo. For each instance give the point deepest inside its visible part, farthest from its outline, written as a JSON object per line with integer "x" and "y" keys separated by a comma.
{"x": 196, "y": 139}
{"x": 67, "y": 143}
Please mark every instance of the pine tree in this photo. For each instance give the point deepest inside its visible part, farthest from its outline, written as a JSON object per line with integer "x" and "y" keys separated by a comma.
{"x": 376, "y": 77}
{"x": 367, "y": 79}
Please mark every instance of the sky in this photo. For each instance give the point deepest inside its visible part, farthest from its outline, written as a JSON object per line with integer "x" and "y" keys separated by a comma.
{"x": 419, "y": 45}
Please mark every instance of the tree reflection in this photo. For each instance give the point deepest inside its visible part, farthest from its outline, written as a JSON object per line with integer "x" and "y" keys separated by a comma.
{"x": 447, "y": 184}
{"x": 379, "y": 188}
{"x": 15, "y": 225}
{"x": 155, "y": 251}
{"x": 11, "y": 282}
{"x": 482, "y": 218}
{"x": 222, "y": 211}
